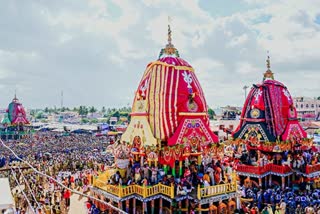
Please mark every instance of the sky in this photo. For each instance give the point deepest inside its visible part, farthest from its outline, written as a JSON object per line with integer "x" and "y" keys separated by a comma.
{"x": 96, "y": 51}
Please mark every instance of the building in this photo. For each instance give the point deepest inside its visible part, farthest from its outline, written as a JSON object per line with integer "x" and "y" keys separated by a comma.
{"x": 307, "y": 108}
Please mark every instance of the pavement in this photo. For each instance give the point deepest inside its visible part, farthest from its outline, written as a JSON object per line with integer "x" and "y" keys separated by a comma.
{"x": 77, "y": 206}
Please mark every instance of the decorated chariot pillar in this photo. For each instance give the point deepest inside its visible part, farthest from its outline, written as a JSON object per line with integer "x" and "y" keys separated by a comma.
{"x": 270, "y": 180}
{"x": 283, "y": 182}
{"x": 144, "y": 207}
{"x": 160, "y": 205}
{"x": 127, "y": 205}
{"x": 120, "y": 205}
{"x": 152, "y": 206}
{"x": 134, "y": 205}
{"x": 260, "y": 182}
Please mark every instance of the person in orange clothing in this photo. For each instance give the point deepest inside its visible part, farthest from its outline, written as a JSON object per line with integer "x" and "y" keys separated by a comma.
{"x": 247, "y": 182}
{"x": 217, "y": 175}
{"x": 206, "y": 177}
{"x": 89, "y": 178}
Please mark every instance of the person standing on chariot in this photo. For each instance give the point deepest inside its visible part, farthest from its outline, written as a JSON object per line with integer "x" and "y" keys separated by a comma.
{"x": 145, "y": 170}
{"x": 137, "y": 175}
{"x": 154, "y": 174}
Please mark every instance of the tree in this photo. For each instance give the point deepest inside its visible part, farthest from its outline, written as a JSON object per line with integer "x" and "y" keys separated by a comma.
{"x": 211, "y": 113}
{"x": 33, "y": 112}
{"x": 318, "y": 98}
{"x": 92, "y": 109}
{"x": 103, "y": 110}
{"x": 84, "y": 120}
{"x": 39, "y": 115}
{"x": 83, "y": 110}
{"x": 116, "y": 114}
{"x": 94, "y": 121}
{"x": 46, "y": 110}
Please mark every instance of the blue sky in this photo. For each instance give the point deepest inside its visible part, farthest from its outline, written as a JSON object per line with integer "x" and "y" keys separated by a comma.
{"x": 96, "y": 50}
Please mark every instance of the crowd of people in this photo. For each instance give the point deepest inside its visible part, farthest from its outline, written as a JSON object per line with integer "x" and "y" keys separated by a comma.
{"x": 74, "y": 159}
{"x": 274, "y": 200}
{"x": 185, "y": 179}
{"x": 71, "y": 159}
{"x": 296, "y": 159}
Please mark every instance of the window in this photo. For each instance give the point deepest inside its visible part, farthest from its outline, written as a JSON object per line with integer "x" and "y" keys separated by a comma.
{"x": 312, "y": 105}
{"x": 301, "y": 105}
{"x": 307, "y": 105}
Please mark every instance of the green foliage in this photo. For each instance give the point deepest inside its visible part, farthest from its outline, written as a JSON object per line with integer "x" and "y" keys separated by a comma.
{"x": 83, "y": 110}
{"x": 33, "y": 112}
{"x": 94, "y": 120}
{"x": 211, "y": 113}
{"x": 115, "y": 114}
{"x": 103, "y": 110}
{"x": 39, "y": 115}
{"x": 104, "y": 120}
{"x": 84, "y": 120}
{"x": 92, "y": 109}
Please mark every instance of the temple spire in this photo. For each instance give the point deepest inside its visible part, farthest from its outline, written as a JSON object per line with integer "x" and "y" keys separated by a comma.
{"x": 268, "y": 62}
{"x": 15, "y": 99}
{"x": 169, "y": 50}
{"x": 268, "y": 74}
{"x": 169, "y": 30}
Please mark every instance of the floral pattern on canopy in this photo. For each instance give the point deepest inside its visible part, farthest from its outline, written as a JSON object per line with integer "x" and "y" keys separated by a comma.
{"x": 192, "y": 132}
{"x": 271, "y": 104}
{"x": 168, "y": 91}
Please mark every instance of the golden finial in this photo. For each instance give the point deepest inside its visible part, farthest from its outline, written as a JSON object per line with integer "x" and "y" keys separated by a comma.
{"x": 15, "y": 95}
{"x": 169, "y": 30}
{"x": 268, "y": 63}
{"x": 268, "y": 74}
{"x": 169, "y": 49}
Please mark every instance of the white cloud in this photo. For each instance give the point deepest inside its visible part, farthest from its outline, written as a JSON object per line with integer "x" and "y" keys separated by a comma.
{"x": 239, "y": 40}
{"x": 246, "y": 68}
{"x": 92, "y": 44}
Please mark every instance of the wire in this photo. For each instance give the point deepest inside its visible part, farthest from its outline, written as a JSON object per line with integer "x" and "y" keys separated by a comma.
{"x": 14, "y": 175}
{"x": 31, "y": 191}
{"x": 74, "y": 191}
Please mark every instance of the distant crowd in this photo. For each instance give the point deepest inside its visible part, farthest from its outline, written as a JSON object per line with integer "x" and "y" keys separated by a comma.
{"x": 72, "y": 159}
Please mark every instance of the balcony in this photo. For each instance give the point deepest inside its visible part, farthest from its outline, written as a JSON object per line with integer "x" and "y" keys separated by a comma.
{"x": 215, "y": 190}
{"x": 143, "y": 191}
{"x": 262, "y": 170}
{"x": 280, "y": 169}
{"x": 312, "y": 168}
{"x": 257, "y": 170}
{"x": 148, "y": 191}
